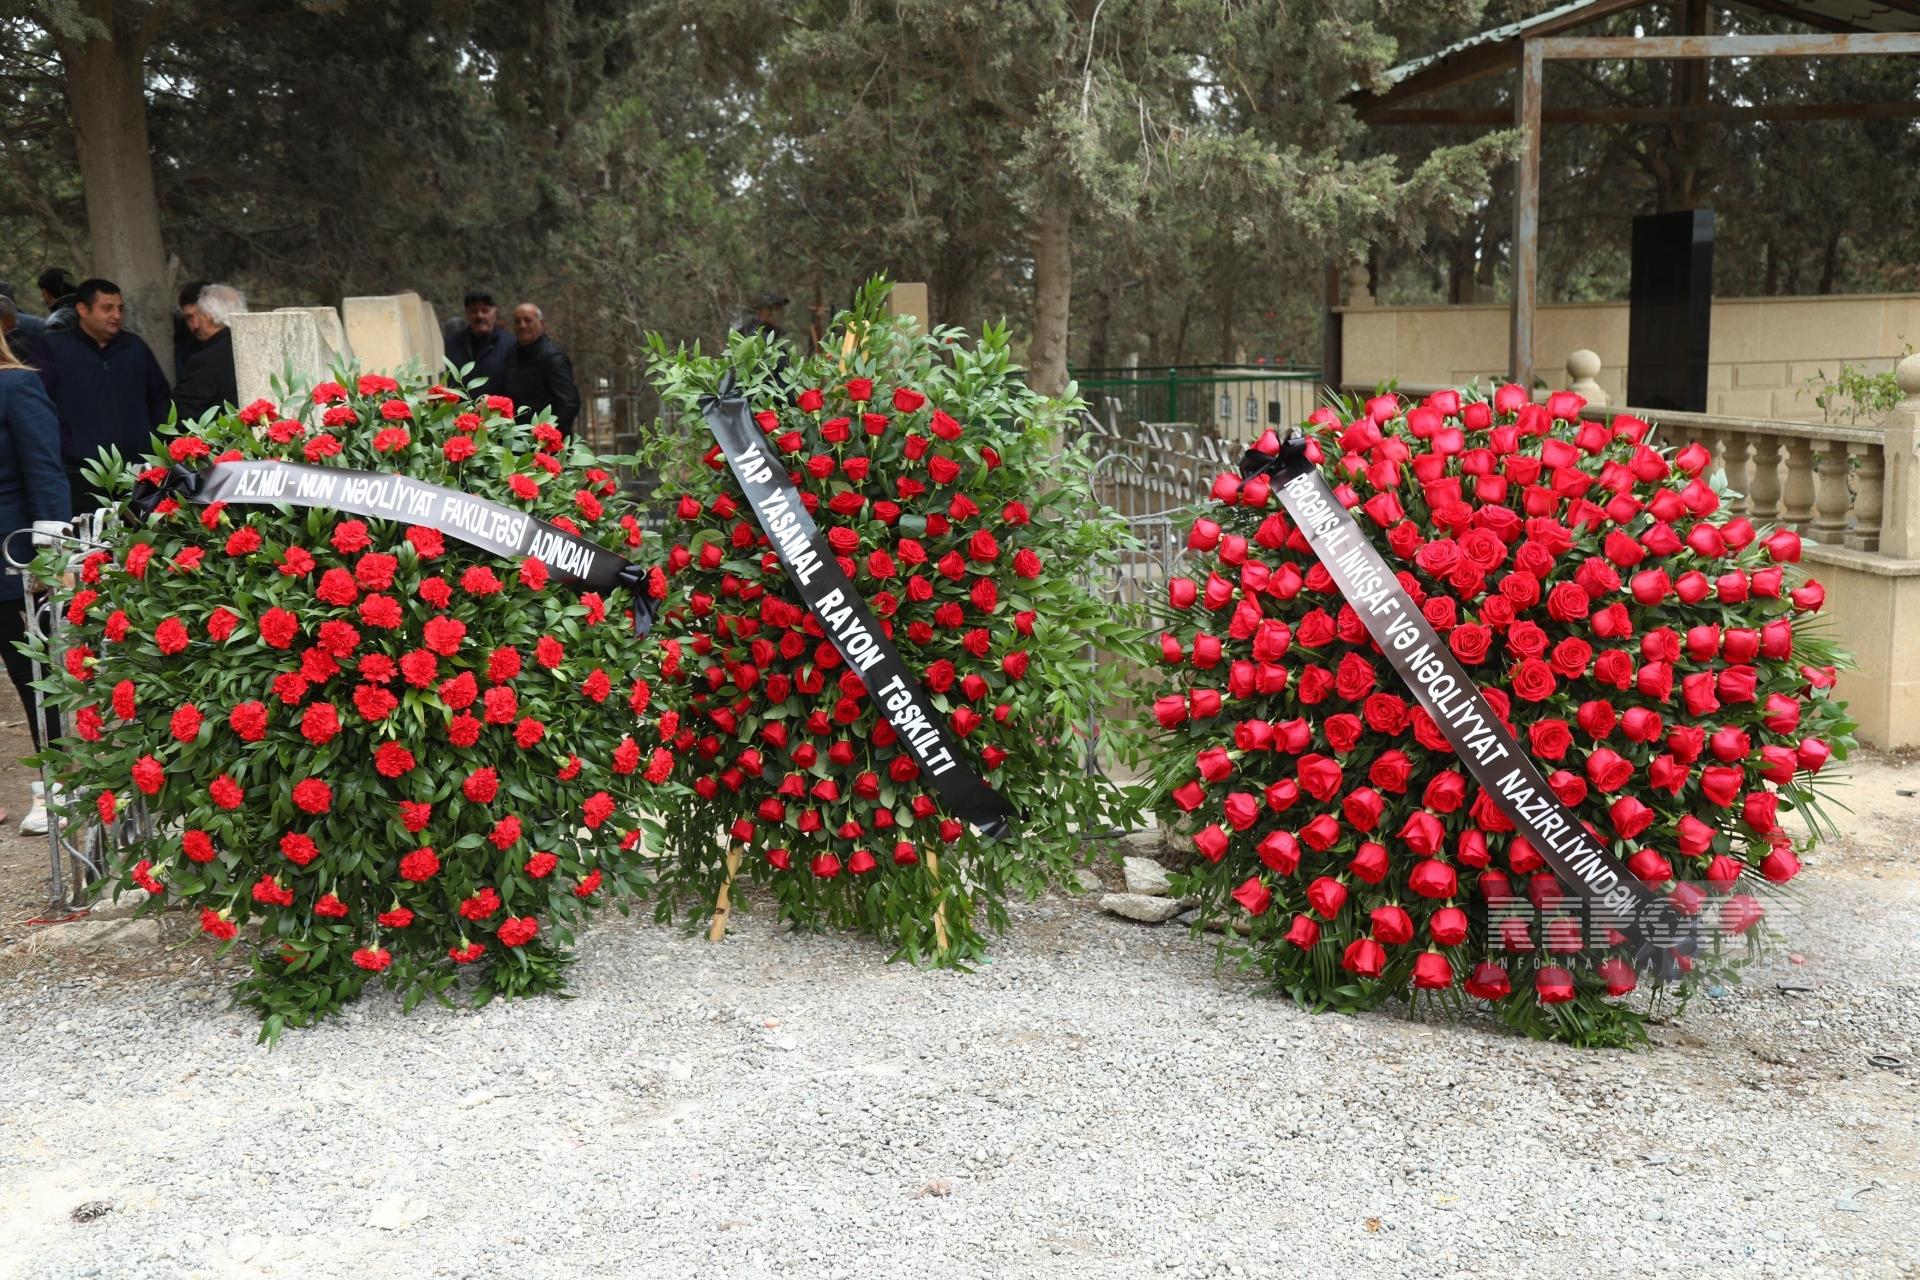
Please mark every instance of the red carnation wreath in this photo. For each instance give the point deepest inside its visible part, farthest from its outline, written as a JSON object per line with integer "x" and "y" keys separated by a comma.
{"x": 1654, "y": 654}
{"x": 389, "y": 752}
{"x": 939, "y": 484}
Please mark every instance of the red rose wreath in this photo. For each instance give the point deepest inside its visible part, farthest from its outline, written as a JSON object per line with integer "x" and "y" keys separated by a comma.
{"x": 387, "y": 752}
{"x": 939, "y": 483}
{"x": 1652, "y": 652}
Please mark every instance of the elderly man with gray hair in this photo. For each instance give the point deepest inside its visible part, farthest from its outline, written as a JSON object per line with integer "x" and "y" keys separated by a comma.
{"x": 207, "y": 379}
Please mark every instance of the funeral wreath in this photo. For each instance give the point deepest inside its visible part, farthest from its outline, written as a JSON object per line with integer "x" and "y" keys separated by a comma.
{"x": 367, "y": 749}
{"x": 944, "y": 495}
{"x": 1656, "y": 658}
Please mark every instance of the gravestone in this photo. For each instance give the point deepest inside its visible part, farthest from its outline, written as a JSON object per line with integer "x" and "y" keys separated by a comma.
{"x": 303, "y": 343}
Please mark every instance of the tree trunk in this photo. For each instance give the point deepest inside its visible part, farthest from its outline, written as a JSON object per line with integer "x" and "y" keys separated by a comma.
{"x": 106, "y": 89}
{"x": 1830, "y": 263}
{"x": 1052, "y": 296}
{"x": 1100, "y": 339}
{"x": 1229, "y": 331}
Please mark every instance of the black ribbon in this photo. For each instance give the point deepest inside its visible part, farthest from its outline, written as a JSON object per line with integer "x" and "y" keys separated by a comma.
{"x": 478, "y": 522}
{"x": 1656, "y": 930}
{"x": 843, "y": 614}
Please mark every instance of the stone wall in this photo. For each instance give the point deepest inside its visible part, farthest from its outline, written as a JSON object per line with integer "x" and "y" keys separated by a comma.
{"x": 1762, "y": 349}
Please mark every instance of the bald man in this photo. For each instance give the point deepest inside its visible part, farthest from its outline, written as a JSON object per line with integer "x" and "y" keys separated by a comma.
{"x": 538, "y": 374}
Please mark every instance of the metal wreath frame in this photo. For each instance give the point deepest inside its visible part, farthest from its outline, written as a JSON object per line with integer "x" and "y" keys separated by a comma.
{"x": 73, "y": 864}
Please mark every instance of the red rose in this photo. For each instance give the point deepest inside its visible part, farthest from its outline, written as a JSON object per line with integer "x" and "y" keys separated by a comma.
{"x": 1211, "y": 843}
{"x": 1533, "y": 680}
{"x": 1570, "y": 657}
{"x": 1254, "y": 896}
{"x": 1326, "y": 896}
{"x": 1550, "y": 739}
{"x": 1392, "y": 926}
{"x": 1319, "y": 776}
{"x": 1470, "y": 642}
{"x": 1432, "y": 972}
{"x": 1567, "y": 602}
{"x": 1629, "y": 817}
{"x": 1423, "y": 833}
{"x": 1364, "y": 958}
{"x": 1488, "y": 982}
{"x": 1553, "y": 985}
{"x": 1363, "y": 808}
{"x": 1526, "y": 640}
{"x": 1608, "y": 770}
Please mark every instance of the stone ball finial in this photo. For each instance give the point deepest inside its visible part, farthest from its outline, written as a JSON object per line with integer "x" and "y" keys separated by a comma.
{"x": 1359, "y": 282}
{"x": 1907, "y": 374}
{"x": 1583, "y": 367}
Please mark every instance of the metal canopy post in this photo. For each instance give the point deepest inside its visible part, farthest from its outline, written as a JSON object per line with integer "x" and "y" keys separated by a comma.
{"x": 1526, "y": 211}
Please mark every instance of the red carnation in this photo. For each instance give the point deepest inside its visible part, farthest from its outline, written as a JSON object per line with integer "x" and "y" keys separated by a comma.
{"x": 420, "y": 865}
{"x": 481, "y": 905}
{"x": 392, "y": 760}
{"x": 444, "y": 635}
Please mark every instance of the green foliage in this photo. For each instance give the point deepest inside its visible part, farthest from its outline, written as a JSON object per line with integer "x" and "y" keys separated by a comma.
{"x": 1855, "y": 393}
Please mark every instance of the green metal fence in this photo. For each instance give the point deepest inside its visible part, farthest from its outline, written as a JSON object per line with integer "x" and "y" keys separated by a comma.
{"x": 1235, "y": 402}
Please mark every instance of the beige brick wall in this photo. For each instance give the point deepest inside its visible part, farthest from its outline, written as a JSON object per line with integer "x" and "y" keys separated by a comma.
{"x": 1761, "y": 352}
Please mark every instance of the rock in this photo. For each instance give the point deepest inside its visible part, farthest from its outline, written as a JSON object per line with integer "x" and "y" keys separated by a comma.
{"x": 1085, "y": 880}
{"x": 1186, "y": 919}
{"x": 1141, "y": 907}
{"x": 245, "y": 1247}
{"x": 398, "y": 1212}
{"x": 124, "y": 933}
{"x": 1145, "y": 876}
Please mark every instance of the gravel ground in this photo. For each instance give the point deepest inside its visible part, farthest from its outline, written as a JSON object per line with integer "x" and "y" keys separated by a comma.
{"x": 1097, "y": 1102}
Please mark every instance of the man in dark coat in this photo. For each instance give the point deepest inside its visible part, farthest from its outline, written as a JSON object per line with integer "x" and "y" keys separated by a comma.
{"x": 104, "y": 383}
{"x": 538, "y": 374}
{"x": 186, "y": 338}
{"x": 57, "y": 291}
{"x": 480, "y": 342}
{"x": 22, "y": 329}
{"x": 206, "y": 376}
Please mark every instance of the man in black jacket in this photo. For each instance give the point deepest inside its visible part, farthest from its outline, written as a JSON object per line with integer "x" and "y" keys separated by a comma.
{"x": 538, "y": 374}
{"x": 22, "y": 330}
{"x": 206, "y": 376}
{"x": 104, "y": 382}
{"x": 480, "y": 342}
{"x": 57, "y": 291}
{"x": 186, "y": 339}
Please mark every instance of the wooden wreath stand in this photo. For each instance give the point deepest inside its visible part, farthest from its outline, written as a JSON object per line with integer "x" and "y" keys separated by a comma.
{"x": 723, "y": 903}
